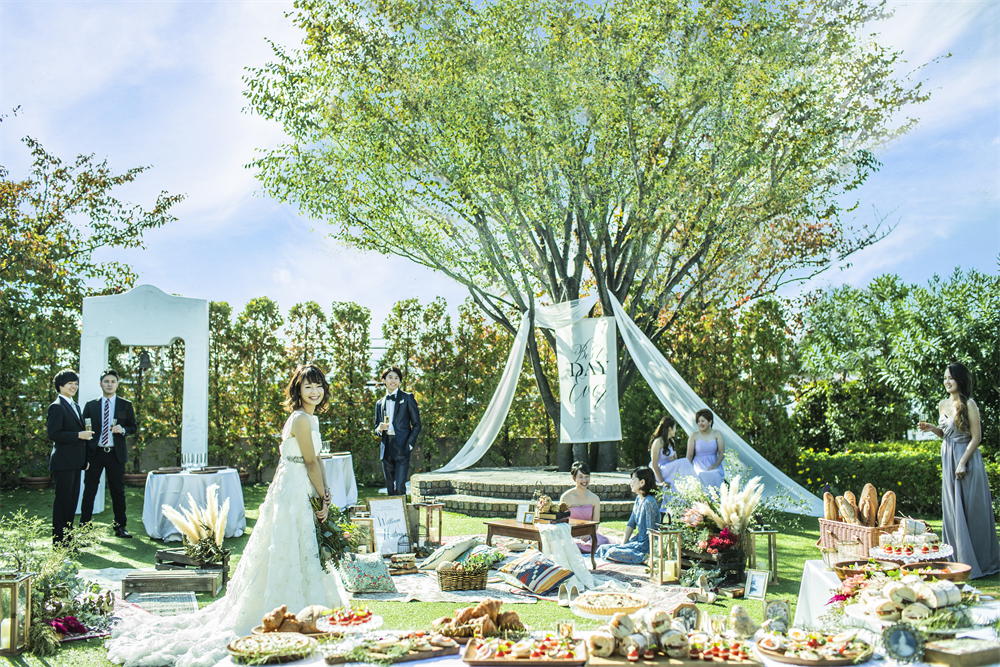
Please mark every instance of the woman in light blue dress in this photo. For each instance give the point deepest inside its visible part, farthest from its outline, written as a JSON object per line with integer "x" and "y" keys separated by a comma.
{"x": 645, "y": 515}
{"x": 706, "y": 450}
{"x": 966, "y": 504}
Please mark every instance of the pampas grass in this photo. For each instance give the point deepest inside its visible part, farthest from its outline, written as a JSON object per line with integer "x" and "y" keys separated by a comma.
{"x": 203, "y": 528}
{"x": 735, "y": 507}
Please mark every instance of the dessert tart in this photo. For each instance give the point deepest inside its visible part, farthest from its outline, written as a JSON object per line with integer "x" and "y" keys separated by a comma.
{"x": 607, "y": 603}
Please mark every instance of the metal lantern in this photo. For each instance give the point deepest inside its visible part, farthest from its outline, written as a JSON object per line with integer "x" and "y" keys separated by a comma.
{"x": 403, "y": 545}
{"x": 665, "y": 554}
{"x": 430, "y": 518}
{"x": 15, "y": 610}
{"x": 772, "y": 551}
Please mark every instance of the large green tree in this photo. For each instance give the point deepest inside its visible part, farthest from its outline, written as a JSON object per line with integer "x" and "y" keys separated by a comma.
{"x": 533, "y": 149}
{"x": 52, "y": 221}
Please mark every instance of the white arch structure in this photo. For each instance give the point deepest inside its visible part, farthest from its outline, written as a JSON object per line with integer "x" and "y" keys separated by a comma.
{"x": 146, "y": 316}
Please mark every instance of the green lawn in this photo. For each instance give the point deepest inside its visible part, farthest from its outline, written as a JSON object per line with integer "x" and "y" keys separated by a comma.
{"x": 795, "y": 546}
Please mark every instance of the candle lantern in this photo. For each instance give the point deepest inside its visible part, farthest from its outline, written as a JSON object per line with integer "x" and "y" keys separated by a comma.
{"x": 15, "y": 610}
{"x": 430, "y": 517}
{"x": 772, "y": 551}
{"x": 664, "y": 554}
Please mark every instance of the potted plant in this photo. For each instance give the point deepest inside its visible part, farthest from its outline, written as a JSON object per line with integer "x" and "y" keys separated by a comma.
{"x": 135, "y": 475}
{"x": 36, "y": 476}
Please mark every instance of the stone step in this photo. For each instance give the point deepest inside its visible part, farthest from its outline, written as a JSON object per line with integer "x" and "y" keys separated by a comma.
{"x": 506, "y": 508}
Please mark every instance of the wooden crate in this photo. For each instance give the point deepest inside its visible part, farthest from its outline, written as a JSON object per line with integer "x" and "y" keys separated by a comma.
{"x": 177, "y": 559}
{"x": 198, "y": 581}
{"x": 732, "y": 563}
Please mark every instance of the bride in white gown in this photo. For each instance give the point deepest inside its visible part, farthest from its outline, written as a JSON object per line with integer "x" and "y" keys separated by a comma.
{"x": 280, "y": 564}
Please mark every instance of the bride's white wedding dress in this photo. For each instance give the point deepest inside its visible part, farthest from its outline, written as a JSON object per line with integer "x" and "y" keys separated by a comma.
{"x": 280, "y": 565}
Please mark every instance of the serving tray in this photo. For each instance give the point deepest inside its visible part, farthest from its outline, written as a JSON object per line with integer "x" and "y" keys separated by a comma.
{"x": 579, "y": 653}
{"x": 825, "y": 662}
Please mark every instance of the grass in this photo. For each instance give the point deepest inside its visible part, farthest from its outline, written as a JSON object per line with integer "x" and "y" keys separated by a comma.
{"x": 795, "y": 546}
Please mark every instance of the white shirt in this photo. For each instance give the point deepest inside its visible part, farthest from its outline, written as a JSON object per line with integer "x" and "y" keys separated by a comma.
{"x": 390, "y": 408}
{"x": 73, "y": 406}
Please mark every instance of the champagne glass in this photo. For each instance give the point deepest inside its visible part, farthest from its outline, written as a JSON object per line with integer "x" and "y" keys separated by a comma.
{"x": 86, "y": 424}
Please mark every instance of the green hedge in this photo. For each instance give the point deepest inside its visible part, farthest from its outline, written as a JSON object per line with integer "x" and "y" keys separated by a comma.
{"x": 913, "y": 473}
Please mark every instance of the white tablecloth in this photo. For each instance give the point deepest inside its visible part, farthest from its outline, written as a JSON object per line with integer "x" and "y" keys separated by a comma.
{"x": 340, "y": 480}
{"x": 98, "y": 499}
{"x": 814, "y": 593}
{"x": 173, "y": 490}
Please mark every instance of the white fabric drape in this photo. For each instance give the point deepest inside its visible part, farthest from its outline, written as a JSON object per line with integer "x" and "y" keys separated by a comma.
{"x": 551, "y": 317}
{"x": 681, "y": 401}
{"x": 675, "y": 394}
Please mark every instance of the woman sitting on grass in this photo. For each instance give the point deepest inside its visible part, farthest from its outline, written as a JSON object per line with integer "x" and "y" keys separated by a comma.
{"x": 645, "y": 515}
{"x": 583, "y": 503}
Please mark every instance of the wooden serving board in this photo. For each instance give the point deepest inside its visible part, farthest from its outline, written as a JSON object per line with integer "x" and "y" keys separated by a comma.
{"x": 620, "y": 661}
{"x": 436, "y": 652}
{"x": 580, "y": 658}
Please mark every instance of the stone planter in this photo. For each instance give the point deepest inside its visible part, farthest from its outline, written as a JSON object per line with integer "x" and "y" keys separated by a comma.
{"x": 135, "y": 479}
{"x": 36, "y": 483}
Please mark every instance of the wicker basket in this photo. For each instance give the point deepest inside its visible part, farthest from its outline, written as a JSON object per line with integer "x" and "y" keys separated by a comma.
{"x": 832, "y": 532}
{"x": 450, "y": 580}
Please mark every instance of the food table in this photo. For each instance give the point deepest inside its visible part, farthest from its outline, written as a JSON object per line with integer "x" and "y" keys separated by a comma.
{"x": 814, "y": 593}
{"x": 340, "y": 479}
{"x": 527, "y": 531}
{"x": 173, "y": 489}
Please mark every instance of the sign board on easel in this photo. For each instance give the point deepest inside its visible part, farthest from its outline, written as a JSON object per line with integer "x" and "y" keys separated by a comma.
{"x": 389, "y": 522}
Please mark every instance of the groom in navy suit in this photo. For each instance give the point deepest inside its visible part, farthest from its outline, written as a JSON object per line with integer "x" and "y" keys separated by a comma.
{"x": 69, "y": 436}
{"x": 397, "y": 424}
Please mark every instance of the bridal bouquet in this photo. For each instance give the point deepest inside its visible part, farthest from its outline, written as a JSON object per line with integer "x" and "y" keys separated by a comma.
{"x": 335, "y": 537}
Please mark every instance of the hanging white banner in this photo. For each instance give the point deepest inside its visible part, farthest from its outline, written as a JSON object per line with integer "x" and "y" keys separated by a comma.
{"x": 588, "y": 381}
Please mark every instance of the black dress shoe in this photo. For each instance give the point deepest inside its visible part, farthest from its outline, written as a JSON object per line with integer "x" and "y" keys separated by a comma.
{"x": 121, "y": 532}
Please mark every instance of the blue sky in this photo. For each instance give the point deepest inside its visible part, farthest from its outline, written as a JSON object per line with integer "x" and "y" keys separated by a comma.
{"x": 159, "y": 83}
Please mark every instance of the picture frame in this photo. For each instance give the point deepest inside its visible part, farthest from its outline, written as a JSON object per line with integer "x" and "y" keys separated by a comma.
{"x": 529, "y": 518}
{"x": 779, "y": 613}
{"x": 521, "y": 511}
{"x": 756, "y": 585}
{"x": 688, "y": 614}
{"x": 390, "y": 522}
{"x": 367, "y": 524}
{"x": 903, "y": 642}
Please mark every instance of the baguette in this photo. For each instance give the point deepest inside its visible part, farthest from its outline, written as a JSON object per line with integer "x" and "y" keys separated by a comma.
{"x": 887, "y": 510}
{"x": 851, "y": 498}
{"x": 868, "y": 504}
{"x": 847, "y": 511}
{"x": 830, "y": 507}
{"x": 857, "y": 512}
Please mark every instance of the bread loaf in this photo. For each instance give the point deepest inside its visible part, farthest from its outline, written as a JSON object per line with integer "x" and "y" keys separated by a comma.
{"x": 602, "y": 643}
{"x": 637, "y": 640}
{"x": 830, "y": 507}
{"x": 857, "y": 512}
{"x": 868, "y": 504}
{"x": 887, "y": 510}
{"x": 847, "y": 513}
{"x": 851, "y": 498}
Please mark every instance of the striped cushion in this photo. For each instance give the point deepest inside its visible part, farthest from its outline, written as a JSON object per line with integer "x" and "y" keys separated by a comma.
{"x": 534, "y": 572}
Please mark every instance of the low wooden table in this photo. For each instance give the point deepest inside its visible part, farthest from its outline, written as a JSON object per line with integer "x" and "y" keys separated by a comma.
{"x": 527, "y": 531}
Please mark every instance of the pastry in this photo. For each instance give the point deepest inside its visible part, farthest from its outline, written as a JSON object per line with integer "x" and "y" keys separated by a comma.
{"x": 622, "y": 625}
{"x": 273, "y": 620}
{"x": 308, "y": 617}
{"x": 830, "y": 507}
{"x": 602, "y": 643}
{"x": 488, "y": 607}
{"x": 463, "y": 616}
{"x": 655, "y": 621}
{"x": 885, "y": 610}
{"x": 635, "y": 642}
{"x": 604, "y": 603}
{"x": 674, "y": 643}
{"x": 290, "y": 624}
{"x": 509, "y": 620}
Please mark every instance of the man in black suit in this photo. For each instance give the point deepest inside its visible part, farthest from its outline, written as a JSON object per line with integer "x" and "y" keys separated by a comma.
{"x": 113, "y": 419}
{"x": 397, "y": 424}
{"x": 65, "y": 426}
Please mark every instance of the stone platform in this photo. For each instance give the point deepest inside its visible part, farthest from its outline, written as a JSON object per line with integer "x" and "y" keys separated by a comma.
{"x": 496, "y": 492}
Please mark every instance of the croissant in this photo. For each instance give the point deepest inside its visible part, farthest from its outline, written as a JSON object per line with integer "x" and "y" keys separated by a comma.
{"x": 509, "y": 620}
{"x": 273, "y": 620}
{"x": 488, "y": 607}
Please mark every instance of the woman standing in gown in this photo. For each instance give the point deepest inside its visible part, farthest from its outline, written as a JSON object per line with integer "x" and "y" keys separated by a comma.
{"x": 663, "y": 459}
{"x": 706, "y": 450}
{"x": 280, "y": 564}
{"x": 645, "y": 515}
{"x": 583, "y": 503}
{"x": 966, "y": 504}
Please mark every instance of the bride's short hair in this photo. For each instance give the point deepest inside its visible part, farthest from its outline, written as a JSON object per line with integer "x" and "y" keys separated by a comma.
{"x": 303, "y": 374}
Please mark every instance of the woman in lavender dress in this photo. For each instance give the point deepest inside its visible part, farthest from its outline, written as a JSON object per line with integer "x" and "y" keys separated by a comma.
{"x": 663, "y": 459}
{"x": 706, "y": 450}
{"x": 966, "y": 504}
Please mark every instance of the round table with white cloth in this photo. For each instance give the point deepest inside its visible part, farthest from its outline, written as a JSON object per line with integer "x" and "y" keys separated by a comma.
{"x": 98, "y": 499}
{"x": 340, "y": 479}
{"x": 173, "y": 489}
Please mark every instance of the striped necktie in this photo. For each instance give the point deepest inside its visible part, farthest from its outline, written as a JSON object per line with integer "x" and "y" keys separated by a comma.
{"x": 106, "y": 424}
